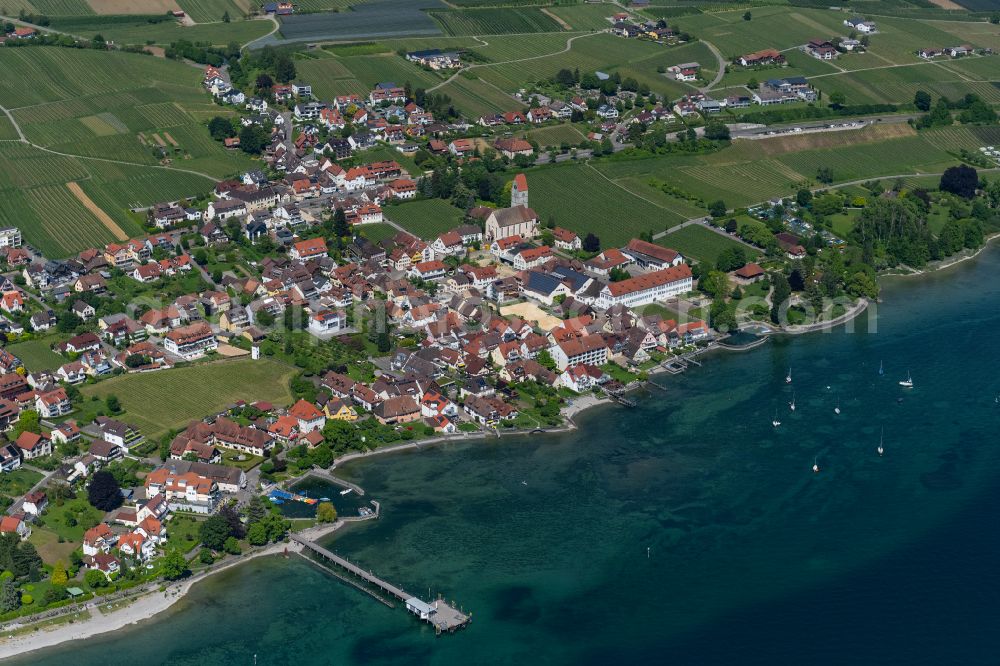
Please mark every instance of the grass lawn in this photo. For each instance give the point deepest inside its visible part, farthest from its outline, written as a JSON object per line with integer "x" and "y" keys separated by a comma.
{"x": 159, "y": 401}
{"x": 182, "y": 532}
{"x": 49, "y": 548}
{"x": 36, "y": 354}
{"x": 842, "y": 223}
{"x": 700, "y": 243}
{"x": 232, "y": 458}
{"x": 376, "y": 232}
{"x": 61, "y": 519}
{"x": 18, "y": 482}
{"x": 427, "y": 218}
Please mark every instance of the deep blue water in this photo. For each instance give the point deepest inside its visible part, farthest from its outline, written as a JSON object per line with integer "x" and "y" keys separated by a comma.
{"x": 688, "y": 530}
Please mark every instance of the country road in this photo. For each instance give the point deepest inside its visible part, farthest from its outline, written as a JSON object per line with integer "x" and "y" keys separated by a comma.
{"x": 24, "y": 139}
{"x": 722, "y": 66}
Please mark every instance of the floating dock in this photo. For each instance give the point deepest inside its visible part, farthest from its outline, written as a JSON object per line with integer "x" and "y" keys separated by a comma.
{"x": 444, "y": 617}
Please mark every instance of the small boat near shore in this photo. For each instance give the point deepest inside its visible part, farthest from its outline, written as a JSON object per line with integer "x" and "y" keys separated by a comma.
{"x": 347, "y": 491}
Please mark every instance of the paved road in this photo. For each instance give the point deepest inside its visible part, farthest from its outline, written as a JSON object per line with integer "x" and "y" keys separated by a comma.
{"x": 722, "y": 66}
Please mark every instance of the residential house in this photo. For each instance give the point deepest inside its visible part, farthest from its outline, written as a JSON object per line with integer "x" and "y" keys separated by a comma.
{"x": 32, "y": 445}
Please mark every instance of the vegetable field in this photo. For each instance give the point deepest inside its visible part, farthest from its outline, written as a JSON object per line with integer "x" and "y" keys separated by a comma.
{"x": 159, "y": 401}
{"x": 372, "y": 19}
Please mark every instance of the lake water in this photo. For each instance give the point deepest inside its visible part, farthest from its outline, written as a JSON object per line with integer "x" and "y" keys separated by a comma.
{"x": 687, "y": 530}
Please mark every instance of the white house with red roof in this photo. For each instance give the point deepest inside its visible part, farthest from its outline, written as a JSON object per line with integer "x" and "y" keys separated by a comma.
{"x": 308, "y": 415}
{"x": 648, "y": 288}
{"x": 312, "y": 248}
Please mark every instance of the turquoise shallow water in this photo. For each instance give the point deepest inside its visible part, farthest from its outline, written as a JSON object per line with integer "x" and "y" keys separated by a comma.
{"x": 687, "y": 530}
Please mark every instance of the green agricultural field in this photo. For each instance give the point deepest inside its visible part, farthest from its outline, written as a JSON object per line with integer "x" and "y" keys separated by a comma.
{"x": 37, "y": 354}
{"x": 159, "y": 401}
{"x": 7, "y": 131}
{"x": 585, "y": 16}
{"x": 701, "y": 243}
{"x": 162, "y": 34}
{"x": 771, "y": 27}
{"x": 427, "y": 218}
{"x": 207, "y": 11}
{"x": 62, "y": 7}
{"x": 323, "y": 5}
{"x": 495, "y": 21}
{"x": 100, "y": 110}
{"x": 555, "y": 135}
{"x": 580, "y": 198}
{"x": 476, "y": 96}
{"x": 843, "y": 223}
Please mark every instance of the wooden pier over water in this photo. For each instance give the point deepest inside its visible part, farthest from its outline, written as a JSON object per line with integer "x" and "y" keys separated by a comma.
{"x": 442, "y": 616}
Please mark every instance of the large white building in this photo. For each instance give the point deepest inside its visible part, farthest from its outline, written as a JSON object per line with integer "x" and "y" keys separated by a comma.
{"x": 10, "y": 237}
{"x": 589, "y": 349}
{"x": 646, "y": 289}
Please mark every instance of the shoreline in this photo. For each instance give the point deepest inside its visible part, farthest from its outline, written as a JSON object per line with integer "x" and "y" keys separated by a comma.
{"x": 149, "y": 604}
{"x": 954, "y": 260}
{"x": 143, "y": 607}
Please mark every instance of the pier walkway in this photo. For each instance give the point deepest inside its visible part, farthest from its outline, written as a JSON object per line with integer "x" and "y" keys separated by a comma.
{"x": 442, "y": 616}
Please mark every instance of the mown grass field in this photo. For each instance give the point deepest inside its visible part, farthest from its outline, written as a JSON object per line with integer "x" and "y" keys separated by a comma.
{"x": 427, "y": 218}
{"x": 376, "y": 232}
{"x": 701, "y": 244}
{"x": 36, "y": 354}
{"x": 159, "y": 401}
{"x": 555, "y": 135}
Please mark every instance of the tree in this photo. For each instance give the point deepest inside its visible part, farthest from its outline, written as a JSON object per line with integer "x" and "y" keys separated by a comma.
{"x": 113, "y": 404}
{"x": 173, "y": 565}
{"x": 10, "y": 596}
{"x": 264, "y": 83}
{"x": 68, "y": 322}
{"x": 564, "y": 77}
{"x": 214, "y": 532}
{"x": 824, "y": 175}
{"x": 803, "y": 197}
{"x": 716, "y": 131}
{"x": 232, "y": 546}
{"x": 747, "y": 16}
{"x": 591, "y": 243}
{"x": 257, "y": 534}
{"x": 730, "y": 259}
{"x": 321, "y": 456}
{"x": 225, "y": 17}
{"x": 255, "y": 510}
{"x": 960, "y": 180}
{"x": 717, "y": 208}
{"x": 59, "y": 576}
{"x": 253, "y": 139}
{"x": 341, "y": 229}
{"x": 715, "y": 284}
{"x": 781, "y": 292}
{"x": 922, "y": 100}
{"x": 28, "y": 421}
{"x": 284, "y": 68}
{"x": 103, "y": 492}
{"x": 837, "y": 99}
{"x": 94, "y": 579}
{"x": 325, "y": 513}
{"x": 232, "y": 517}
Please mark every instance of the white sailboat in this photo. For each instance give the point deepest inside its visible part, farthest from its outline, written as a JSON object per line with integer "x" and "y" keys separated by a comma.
{"x": 775, "y": 422}
{"x": 880, "y": 448}
{"x": 816, "y": 465}
{"x": 788, "y": 377}
{"x": 791, "y": 405}
{"x": 836, "y": 410}
{"x": 908, "y": 382}
{"x": 881, "y": 369}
